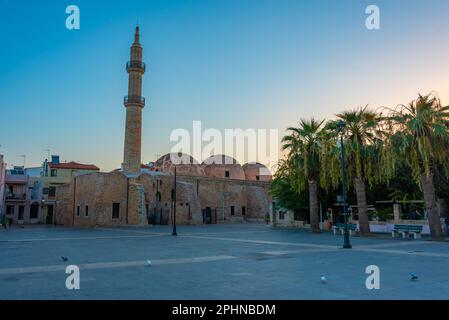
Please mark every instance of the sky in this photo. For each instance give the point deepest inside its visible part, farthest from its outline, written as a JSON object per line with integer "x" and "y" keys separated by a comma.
{"x": 260, "y": 64}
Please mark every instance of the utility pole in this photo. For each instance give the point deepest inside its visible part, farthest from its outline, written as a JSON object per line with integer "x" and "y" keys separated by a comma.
{"x": 174, "y": 207}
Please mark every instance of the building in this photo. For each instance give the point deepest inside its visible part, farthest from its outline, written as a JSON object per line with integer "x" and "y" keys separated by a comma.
{"x": 18, "y": 197}
{"x": 2, "y": 185}
{"x": 215, "y": 191}
{"x": 44, "y": 180}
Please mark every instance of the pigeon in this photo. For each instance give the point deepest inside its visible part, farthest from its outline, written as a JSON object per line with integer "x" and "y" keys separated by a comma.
{"x": 323, "y": 279}
{"x": 149, "y": 262}
{"x": 413, "y": 277}
{"x": 64, "y": 259}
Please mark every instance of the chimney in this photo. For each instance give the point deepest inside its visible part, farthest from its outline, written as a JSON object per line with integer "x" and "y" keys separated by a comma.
{"x": 55, "y": 159}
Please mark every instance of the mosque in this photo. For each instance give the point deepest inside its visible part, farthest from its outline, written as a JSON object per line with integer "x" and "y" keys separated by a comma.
{"x": 219, "y": 190}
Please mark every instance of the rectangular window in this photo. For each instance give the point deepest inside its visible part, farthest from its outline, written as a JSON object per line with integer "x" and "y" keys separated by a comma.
{"x": 86, "y": 213}
{"x": 54, "y": 173}
{"x": 78, "y": 211}
{"x": 243, "y": 211}
{"x": 45, "y": 191}
{"x": 227, "y": 174}
{"x": 281, "y": 215}
{"x": 232, "y": 210}
{"x": 115, "y": 210}
{"x": 257, "y": 178}
{"x": 9, "y": 210}
{"x": 52, "y": 191}
{"x": 11, "y": 190}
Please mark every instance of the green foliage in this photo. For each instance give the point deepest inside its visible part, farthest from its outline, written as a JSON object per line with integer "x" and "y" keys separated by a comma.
{"x": 284, "y": 191}
{"x": 304, "y": 147}
{"x": 388, "y": 150}
{"x": 419, "y": 135}
{"x": 363, "y": 141}
{"x": 384, "y": 214}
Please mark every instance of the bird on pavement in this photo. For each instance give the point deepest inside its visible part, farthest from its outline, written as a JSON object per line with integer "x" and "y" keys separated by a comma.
{"x": 149, "y": 262}
{"x": 64, "y": 259}
{"x": 323, "y": 279}
{"x": 413, "y": 277}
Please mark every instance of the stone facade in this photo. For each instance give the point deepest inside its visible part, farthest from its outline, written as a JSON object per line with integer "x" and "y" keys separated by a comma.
{"x": 147, "y": 198}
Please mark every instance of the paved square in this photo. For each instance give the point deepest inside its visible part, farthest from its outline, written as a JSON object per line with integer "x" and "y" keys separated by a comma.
{"x": 247, "y": 261}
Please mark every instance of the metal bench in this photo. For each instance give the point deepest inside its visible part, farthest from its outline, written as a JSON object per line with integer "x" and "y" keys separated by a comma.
{"x": 340, "y": 227}
{"x": 406, "y": 230}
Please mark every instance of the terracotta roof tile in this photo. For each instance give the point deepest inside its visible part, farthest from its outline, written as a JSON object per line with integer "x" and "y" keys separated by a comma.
{"x": 73, "y": 165}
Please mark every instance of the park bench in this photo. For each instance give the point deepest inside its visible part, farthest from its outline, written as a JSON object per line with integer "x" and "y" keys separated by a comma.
{"x": 340, "y": 227}
{"x": 407, "y": 229}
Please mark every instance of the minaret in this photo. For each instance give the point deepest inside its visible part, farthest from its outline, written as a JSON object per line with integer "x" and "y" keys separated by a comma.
{"x": 134, "y": 104}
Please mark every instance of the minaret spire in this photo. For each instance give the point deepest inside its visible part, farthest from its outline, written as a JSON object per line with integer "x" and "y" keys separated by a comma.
{"x": 134, "y": 103}
{"x": 137, "y": 35}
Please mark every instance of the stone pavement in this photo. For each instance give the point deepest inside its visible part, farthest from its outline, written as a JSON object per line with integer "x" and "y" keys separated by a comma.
{"x": 245, "y": 261}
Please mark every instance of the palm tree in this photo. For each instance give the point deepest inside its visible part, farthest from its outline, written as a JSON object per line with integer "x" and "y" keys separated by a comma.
{"x": 420, "y": 139}
{"x": 303, "y": 144}
{"x": 362, "y": 138}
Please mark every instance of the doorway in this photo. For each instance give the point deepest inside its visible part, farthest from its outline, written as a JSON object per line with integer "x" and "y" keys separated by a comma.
{"x": 207, "y": 215}
{"x": 49, "y": 214}
{"x": 21, "y": 213}
{"x": 34, "y": 210}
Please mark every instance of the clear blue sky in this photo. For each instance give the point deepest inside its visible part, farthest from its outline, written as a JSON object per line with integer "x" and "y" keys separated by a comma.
{"x": 230, "y": 64}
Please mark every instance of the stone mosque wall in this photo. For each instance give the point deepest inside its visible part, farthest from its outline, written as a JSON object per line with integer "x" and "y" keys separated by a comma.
{"x": 199, "y": 199}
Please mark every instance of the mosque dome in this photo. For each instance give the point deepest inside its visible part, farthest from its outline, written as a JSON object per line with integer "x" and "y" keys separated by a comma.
{"x": 185, "y": 164}
{"x": 255, "y": 171}
{"x": 222, "y": 166}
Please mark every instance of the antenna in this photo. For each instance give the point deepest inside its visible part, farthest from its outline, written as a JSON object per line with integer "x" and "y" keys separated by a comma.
{"x": 24, "y": 159}
{"x": 48, "y": 154}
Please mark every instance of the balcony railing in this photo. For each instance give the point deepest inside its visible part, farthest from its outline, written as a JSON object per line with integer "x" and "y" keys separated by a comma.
{"x": 19, "y": 197}
{"x": 135, "y": 65}
{"x": 134, "y": 100}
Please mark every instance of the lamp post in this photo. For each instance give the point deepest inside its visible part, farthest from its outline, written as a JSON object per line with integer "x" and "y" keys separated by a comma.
{"x": 174, "y": 233}
{"x": 341, "y": 128}
{"x": 223, "y": 195}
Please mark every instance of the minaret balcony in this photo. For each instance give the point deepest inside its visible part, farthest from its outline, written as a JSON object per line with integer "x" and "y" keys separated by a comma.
{"x": 135, "y": 65}
{"x": 134, "y": 100}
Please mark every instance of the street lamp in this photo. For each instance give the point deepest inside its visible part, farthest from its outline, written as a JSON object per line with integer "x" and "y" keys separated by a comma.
{"x": 223, "y": 195}
{"x": 174, "y": 233}
{"x": 341, "y": 127}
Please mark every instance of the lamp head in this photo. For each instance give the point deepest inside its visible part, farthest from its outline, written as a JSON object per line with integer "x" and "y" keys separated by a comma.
{"x": 341, "y": 125}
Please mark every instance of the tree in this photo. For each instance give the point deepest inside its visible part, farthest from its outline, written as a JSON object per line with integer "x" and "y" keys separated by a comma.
{"x": 283, "y": 188}
{"x": 420, "y": 139}
{"x": 363, "y": 140}
{"x": 303, "y": 144}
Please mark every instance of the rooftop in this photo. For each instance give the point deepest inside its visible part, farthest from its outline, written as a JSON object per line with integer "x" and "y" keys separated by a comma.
{"x": 73, "y": 165}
